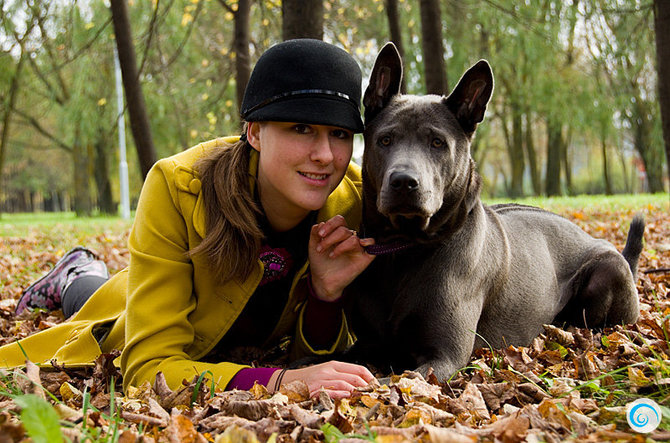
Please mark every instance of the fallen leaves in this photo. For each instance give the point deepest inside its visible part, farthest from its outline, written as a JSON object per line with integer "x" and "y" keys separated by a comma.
{"x": 569, "y": 384}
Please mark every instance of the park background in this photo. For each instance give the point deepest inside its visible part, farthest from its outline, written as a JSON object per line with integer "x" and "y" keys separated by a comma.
{"x": 575, "y": 109}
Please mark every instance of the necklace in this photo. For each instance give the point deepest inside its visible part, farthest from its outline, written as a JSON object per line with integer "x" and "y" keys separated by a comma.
{"x": 276, "y": 263}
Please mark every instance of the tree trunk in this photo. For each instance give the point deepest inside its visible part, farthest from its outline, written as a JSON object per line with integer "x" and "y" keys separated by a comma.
{"x": 139, "y": 121}
{"x": 553, "y": 174}
{"x": 565, "y": 159}
{"x": 433, "y": 50}
{"x": 649, "y": 151}
{"x": 662, "y": 28}
{"x": 106, "y": 203}
{"x": 396, "y": 34}
{"x": 516, "y": 155}
{"x": 82, "y": 189}
{"x": 606, "y": 174}
{"x": 626, "y": 181}
{"x": 241, "y": 43}
{"x": 532, "y": 157}
{"x": 6, "y": 119}
{"x": 302, "y": 19}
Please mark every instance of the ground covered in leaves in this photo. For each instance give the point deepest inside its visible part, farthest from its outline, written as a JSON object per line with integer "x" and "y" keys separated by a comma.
{"x": 569, "y": 384}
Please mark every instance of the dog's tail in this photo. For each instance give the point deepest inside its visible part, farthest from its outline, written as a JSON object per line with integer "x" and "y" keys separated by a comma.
{"x": 631, "y": 252}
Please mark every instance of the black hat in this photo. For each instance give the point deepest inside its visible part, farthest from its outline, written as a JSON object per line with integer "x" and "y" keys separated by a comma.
{"x": 305, "y": 81}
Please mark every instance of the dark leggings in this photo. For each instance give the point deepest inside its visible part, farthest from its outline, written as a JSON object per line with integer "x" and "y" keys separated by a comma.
{"x": 78, "y": 292}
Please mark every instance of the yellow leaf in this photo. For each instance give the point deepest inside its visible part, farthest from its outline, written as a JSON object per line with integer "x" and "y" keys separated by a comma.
{"x": 259, "y": 391}
{"x": 637, "y": 377}
{"x": 102, "y": 102}
{"x": 88, "y": 26}
{"x": 211, "y": 118}
{"x": 186, "y": 19}
{"x": 194, "y": 133}
{"x": 69, "y": 393}
{"x": 415, "y": 417}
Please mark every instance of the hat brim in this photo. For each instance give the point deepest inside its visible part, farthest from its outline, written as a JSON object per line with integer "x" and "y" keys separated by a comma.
{"x": 312, "y": 110}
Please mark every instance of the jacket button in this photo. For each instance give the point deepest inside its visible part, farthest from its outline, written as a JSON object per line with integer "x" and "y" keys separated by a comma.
{"x": 194, "y": 186}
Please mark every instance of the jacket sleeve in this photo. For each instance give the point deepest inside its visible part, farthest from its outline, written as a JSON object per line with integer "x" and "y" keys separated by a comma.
{"x": 303, "y": 348}
{"x": 161, "y": 293}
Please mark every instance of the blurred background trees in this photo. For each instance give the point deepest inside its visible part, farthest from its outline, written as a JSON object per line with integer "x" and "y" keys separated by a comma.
{"x": 575, "y": 107}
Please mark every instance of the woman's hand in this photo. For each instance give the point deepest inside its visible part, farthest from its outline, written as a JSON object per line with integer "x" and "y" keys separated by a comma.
{"x": 337, "y": 378}
{"x": 337, "y": 256}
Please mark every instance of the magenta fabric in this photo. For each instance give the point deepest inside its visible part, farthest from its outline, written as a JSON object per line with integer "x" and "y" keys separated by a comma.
{"x": 322, "y": 320}
{"x": 245, "y": 378}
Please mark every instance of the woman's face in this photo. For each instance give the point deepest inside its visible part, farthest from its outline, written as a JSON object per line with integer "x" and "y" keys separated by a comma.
{"x": 299, "y": 166}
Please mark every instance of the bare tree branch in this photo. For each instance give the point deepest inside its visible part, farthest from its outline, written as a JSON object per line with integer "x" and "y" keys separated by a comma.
{"x": 226, "y": 6}
{"x": 151, "y": 31}
{"x": 36, "y": 124}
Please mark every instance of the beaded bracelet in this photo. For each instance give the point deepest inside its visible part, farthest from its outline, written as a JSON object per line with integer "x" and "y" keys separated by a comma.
{"x": 279, "y": 379}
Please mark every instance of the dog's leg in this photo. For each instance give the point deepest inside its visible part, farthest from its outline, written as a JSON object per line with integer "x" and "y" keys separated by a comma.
{"x": 602, "y": 293}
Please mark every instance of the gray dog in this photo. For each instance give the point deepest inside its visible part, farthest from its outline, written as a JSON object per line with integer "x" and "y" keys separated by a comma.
{"x": 452, "y": 274}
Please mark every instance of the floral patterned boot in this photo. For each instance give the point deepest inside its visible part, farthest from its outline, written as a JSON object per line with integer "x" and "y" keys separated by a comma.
{"x": 46, "y": 292}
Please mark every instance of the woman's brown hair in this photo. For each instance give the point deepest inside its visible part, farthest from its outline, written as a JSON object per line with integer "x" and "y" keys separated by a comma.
{"x": 233, "y": 238}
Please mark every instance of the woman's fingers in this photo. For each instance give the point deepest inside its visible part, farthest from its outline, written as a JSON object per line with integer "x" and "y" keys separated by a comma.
{"x": 339, "y": 379}
{"x": 354, "y": 370}
{"x": 336, "y": 237}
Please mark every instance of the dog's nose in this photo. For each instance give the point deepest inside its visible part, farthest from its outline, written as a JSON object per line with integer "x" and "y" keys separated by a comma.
{"x": 403, "y": 182}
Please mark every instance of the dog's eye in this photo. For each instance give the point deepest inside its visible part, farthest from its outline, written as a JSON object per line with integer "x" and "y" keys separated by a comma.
{"x": 437, "y": 143}
{"x": 385, "y": 140}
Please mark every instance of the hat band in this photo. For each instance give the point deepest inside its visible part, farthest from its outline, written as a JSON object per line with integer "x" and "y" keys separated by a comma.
{"x": 302, "y": 92}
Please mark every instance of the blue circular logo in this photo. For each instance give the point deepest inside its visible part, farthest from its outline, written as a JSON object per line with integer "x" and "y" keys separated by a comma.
{"x": 643, "y": 415}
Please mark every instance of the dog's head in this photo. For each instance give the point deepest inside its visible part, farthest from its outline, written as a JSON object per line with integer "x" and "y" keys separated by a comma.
{"x": 419, "y": 180}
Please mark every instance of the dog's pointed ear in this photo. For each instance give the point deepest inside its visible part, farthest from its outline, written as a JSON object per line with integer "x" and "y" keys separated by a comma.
{"x": 384, "y": 81}
{"x": 469, "y": 98}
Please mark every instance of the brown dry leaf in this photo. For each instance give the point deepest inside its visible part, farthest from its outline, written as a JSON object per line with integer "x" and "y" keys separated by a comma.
{"x": 342, "y": 416}
{"x": 259, "y": 391}
{"x": 236, "y": 434}
{"x": 418, "y": 388}
{"x": 35, "y": 383}
{"x": 637, "y": 378}
{"x": 297, "y": 391}
{"x": 560, "y": 336}
{"x": 181, "y": 430}
{"x": 475, "y": 403}
{"x": 550, "y": 410}
{"x": 496, "y": 394}
{"x": 518, "y": 358}
{"x": 513, "y": 428}
{"x": 439, "y": 435}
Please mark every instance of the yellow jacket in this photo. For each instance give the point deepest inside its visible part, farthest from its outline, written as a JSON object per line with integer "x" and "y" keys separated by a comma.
{"x": 166, "y": 311}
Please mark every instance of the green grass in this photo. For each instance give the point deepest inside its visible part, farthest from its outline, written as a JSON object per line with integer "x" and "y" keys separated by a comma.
{"x": 19, "y": 225}
{"x": 594, "y": 203}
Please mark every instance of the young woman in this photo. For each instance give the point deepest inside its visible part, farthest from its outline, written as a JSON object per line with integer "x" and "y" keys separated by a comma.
{"x": 236, "y": 242}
